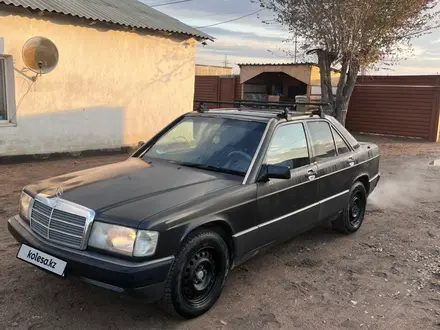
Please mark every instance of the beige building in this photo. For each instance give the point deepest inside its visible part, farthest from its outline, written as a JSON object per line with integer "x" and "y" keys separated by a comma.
{"x": 124, "y": 71}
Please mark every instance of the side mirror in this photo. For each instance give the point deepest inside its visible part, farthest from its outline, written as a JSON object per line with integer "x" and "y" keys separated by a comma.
{"x": 274, "y": 172}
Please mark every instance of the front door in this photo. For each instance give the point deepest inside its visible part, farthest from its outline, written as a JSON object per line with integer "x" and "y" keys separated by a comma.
{"x": 287, "y": 207}
{"x": 336, "y": 167}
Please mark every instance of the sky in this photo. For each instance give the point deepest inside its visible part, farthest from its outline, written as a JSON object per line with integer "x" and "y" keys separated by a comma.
{"x": 249, "y": 40}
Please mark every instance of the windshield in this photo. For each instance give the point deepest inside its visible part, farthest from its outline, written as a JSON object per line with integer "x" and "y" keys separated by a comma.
{"x": 217, "y": 144}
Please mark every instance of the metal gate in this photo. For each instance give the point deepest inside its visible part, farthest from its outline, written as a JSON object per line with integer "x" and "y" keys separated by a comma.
{"x": 217, "y": 88}
{"x": 396, "y": 105}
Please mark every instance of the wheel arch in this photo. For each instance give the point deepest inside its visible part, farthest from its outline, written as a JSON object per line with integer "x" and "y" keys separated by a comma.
{"x": 218, "y": 225}
{"x": 365, "y": 180}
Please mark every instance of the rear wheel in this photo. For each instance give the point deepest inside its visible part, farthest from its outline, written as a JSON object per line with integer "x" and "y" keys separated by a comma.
{"x": 353, "y": 214}
{"x": 197, "y": 275}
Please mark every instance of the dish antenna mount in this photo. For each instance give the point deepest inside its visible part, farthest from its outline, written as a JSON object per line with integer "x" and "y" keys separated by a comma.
{"x": 40, "y": 55}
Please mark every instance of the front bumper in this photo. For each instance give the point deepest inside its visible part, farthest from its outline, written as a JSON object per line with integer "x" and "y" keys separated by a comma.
{"x": 144, "y": 279}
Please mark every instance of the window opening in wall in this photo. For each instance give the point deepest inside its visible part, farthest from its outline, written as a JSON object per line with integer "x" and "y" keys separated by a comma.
{"x": 3, "y": 91}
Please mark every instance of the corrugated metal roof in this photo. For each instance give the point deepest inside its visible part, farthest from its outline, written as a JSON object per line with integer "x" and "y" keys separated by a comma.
{"x": 131, "y": 13}
{"x": 276, "y": 64}
{"x": 283, "y": 64}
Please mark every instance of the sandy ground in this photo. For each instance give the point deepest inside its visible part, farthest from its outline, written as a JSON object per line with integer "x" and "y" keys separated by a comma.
{"x": 386, "y": 276}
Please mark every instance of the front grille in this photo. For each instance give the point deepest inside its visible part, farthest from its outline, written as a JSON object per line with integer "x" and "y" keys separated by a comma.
{"x": 58, "y": 226}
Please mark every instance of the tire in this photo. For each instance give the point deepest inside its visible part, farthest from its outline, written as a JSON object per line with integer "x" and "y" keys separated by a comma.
{"x": 353, "y": 214}
{"x": 197, "y": 275}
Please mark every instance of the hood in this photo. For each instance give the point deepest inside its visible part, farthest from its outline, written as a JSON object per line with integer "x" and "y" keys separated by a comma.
{"x": 134, "y": 190}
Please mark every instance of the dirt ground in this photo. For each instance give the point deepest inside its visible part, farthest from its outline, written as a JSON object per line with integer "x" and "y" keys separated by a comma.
{"x": 386, "y": 276}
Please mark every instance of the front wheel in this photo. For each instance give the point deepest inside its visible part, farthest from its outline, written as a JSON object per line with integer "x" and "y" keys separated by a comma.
{"x": 197, "y": 275}
{"x": 353, "y": 214}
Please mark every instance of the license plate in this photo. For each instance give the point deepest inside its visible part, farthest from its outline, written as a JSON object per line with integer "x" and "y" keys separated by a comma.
{"x": 41, "y": 259}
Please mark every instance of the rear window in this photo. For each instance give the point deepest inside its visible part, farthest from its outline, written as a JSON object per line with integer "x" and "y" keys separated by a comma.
{"x": 350, "y": 138}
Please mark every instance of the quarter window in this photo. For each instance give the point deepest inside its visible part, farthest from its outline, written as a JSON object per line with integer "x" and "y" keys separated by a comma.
{"x": 341, "y": 146}
{"x": 322, "y": 140}
{"x": 288, "y": 147}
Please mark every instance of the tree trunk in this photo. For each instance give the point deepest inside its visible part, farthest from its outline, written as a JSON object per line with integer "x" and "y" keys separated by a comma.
{"x": 341, "y": 115}
{"x": 325, "y": 60}
{"x": 342, "y": 106}
{"x": 339, "y": 101}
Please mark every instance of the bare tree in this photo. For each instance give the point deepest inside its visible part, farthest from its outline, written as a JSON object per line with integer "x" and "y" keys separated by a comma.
{"x": 351, "y": 34}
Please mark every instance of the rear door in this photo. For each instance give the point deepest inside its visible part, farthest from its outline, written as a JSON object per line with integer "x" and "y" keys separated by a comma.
{"x": 336, "y": 166}
{"x": 287, "y": 207}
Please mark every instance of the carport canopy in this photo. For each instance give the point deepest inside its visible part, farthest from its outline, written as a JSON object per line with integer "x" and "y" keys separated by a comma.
{"x": 299, "y": 71}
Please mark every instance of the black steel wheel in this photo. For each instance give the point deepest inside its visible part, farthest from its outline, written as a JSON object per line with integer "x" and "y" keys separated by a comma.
{"x": 198, "y": 274}
{"x": 199, "y": 277}
{"x": 356, "y": 209}
{"x": 352, "y": 216}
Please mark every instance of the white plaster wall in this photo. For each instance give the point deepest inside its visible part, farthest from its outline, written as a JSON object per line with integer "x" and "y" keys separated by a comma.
{"x": 111, "y": 88}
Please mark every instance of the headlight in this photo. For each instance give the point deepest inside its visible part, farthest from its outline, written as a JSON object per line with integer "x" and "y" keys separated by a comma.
{"x": 25, "y": 202}
{"x": 123, "y": 240}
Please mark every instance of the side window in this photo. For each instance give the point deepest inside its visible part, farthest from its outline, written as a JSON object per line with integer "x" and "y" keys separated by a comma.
{"x": 288, "y": 147}
{"x": 322, "y": 140}
{"x": 341, "y": 146}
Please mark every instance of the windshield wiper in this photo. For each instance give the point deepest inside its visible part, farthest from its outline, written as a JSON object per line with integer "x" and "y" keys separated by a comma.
{"x": 211, "y": 168}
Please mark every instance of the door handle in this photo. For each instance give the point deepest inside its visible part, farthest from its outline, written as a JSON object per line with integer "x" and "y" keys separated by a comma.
{"x": 311, "y": 175}
{"x": 350, "y": 161}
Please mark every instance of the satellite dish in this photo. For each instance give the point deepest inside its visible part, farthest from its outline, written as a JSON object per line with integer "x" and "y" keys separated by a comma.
{"x": 40, "y": 55}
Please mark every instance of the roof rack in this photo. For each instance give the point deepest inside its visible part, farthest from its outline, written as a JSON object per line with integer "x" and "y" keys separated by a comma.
{"x": 282, "y": 109}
